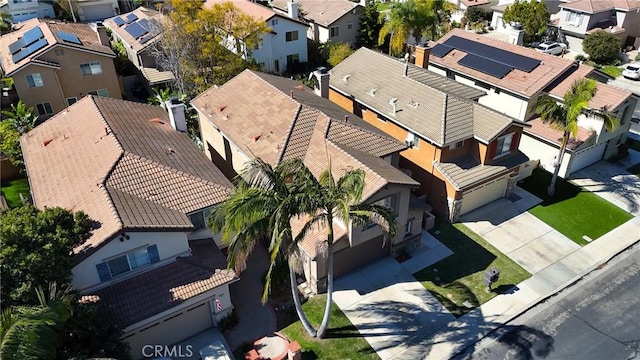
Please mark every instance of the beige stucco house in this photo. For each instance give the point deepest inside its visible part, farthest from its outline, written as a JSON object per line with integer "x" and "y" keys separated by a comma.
{"x": 274, "y": 118}
{"x": 150, "y": 261}
{"x": 583, "y": 17}
{"x": 54, "y": 64}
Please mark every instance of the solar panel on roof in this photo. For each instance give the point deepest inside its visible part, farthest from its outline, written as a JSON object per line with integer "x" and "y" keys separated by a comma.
{"x": 145, "y": 39}
{"x": 508, "y": 58}
{"x": 485, "y": 65}
{"x": 131, "y": 18}
{"x": 37, "y": 45}
{"x": 118, "y": 20}
{"x": 135, "y": 30}
{"x": 32, "y": 35}
{"x": 70, "y": 38}
{"x": 15, "y": 46}
{"x": 441, "y": 50}
{"x": 144, "y": 23}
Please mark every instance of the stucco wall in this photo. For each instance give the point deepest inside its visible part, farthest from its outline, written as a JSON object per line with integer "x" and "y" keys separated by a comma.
{"x": 275, "y": 47}
{"x": 344, "y": 33}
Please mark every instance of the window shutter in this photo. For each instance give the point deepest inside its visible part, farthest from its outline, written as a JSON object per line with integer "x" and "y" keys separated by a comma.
{"x": 154, "y": 257}
{"x": 492, "y": 149}
{"x": 103, "y": 272}
{"x": 515, "y": 141}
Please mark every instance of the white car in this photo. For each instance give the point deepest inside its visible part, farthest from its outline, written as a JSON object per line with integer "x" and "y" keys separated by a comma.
{"x": 632, "y": 71}
{"x": 551, "y": 47}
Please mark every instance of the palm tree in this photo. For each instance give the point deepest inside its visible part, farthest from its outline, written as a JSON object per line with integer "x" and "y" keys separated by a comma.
{"x": 32, "y": 332}
{"x": 440, "y": 11}
{"x": 564, "y": 116}
{"x": 22, "y": 119}
{"x": 264, "y": 201}
{"x": 408, "y": 17}
{"x": 341, "y": 200}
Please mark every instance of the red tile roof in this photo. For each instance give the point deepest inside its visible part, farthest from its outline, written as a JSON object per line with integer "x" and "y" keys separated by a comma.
{"x": 597, "y": 6}
{"x": 548, "y": 133}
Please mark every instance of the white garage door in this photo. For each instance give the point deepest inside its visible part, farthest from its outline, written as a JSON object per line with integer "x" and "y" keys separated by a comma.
{"x": 584, "y": 158}
{"x": 173, "y": 329}
{"x": 483, "y": 194}
{"x": 97, "y": 12}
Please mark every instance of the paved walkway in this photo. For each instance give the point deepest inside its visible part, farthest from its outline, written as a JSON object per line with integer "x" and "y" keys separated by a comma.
{"x": 431, "y": 251}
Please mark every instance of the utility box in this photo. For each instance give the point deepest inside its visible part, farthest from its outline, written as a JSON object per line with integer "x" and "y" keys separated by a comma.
{"x": 490, "y": 276}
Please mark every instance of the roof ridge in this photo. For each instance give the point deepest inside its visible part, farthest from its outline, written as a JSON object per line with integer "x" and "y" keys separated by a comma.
{"x": 358, "y": 161}
{"x": 288, "y": 137}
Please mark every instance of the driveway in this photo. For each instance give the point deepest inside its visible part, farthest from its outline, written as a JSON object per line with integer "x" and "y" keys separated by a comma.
{"x": 507, "y": 225}
{"x": 390, "y": 308}
{"x": 612, "y": 182}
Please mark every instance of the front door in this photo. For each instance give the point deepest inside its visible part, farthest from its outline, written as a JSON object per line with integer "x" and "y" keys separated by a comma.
{"x": 276, "y": 65}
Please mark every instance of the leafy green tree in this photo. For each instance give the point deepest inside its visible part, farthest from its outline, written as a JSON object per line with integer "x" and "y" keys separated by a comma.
{"x": 21, "y": 118}
{"x": 405, "y": 18}
{"x": 369, "y": 25}
{"x": 339, "y": 52}
{"x": 160, "y": 95}
{"x": 33, "y": 332}
{"x": 36, "y": 249}
{"x": 602, "y": 47}
{"x": 476, "y": 13}
{"x": 563, "y": 116}
{"x": 440, "y": 17}
{"x": 17, "y": 121}
{"x": 533, "y": 16}
{"x": 5, "y": 22}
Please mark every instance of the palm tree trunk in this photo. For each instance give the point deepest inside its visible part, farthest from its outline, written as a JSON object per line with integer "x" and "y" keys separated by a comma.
{"x": 563, "y": 148}
{"x": 296, "y": 300}
{"x": 327, "y": 308}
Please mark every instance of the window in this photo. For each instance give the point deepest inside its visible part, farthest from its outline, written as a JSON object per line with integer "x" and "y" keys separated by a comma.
{"x": 92, "y": 68}
{"x": 456, "y": 145}
{"x": 573, "y": 18}
{"x": 259, "y": 45}
{"x": 71, "y": 100}
{"x": 127, "y": 262}
{"x": 100, "y": 92}
{"x": 274, "y": 22}
{"x": 44, "y": 108}
{"x": 59, "y": 52}
{"x": 291, "y": 35}
{"x": 349, "y": 26}
{"x": 293, "y": 59}
{"x": 504, "y": 145}
{"x": 407, "y": 226}
{"x": 388, "y": 202}
{"x": 34, "y": 80}
{"x": 199, "y": 219}
{"x": 334, "y": 31}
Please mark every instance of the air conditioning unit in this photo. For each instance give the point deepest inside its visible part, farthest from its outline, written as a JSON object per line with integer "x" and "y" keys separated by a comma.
{"x": 410, "y": 140}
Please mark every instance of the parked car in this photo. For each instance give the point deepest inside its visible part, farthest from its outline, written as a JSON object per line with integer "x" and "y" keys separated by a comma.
{"x": 551, "y": 47}
{"x": 632, "y": 71}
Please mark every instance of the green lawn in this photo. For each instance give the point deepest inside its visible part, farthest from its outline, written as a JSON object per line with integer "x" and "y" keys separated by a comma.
{"x": 572, "y": 211}
{"x": 458, "y": 278}
{"x": 635, "y": 170}
{"x": 633, "y": 144}
{"x": 11, "y": 190}
{"x": 342, "y": 341}
{"x": 612, "y": 70}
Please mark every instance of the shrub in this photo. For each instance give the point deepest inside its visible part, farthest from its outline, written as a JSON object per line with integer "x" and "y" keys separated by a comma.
{"x": 602, "y": 47}
{"x": 637, "y": 57}
{"x": 581, "y": 58}
{"x": 228, "y": 322}
{"x": 617, "y": 62}
{"x": 475, "y": 14}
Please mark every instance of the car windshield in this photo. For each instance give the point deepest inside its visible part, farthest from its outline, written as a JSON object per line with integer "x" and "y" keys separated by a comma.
{"x": 541, "y": 47}
{"x": 633, "y": 68}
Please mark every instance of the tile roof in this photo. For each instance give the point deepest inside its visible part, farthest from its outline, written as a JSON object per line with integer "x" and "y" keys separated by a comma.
{"x": 471, "y": 3}
{"x": 597, "y": 6}
{"x": 546, "y": 132}
{"x": 155, "y": 17}
{"x": 517, "y": 81}
{"x": 322, "y": 12}
{"x": 87, "y": 36}
{"x": 606, "y": 96}
{"x": 466, "y": 171}
{"x": 155, "y": 76}
{"x": 429, "y": 106}
{"x": 121, "y": 163}
{"x": 257, "y": 11}
{"x": 163, "y": 288}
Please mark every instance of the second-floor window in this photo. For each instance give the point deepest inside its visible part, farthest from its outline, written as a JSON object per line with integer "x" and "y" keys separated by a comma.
{"x": 199, "y": 219}
{"x": 334, "y": 31}
{"x": 127, "y": 262}
{"x": 504, "y": 145}
{"x": 100, "y": 92}
{"x": 274, "y": 22}
{"x": 291, "y": 35}
{"x": 573, "y": 18}
{"x": 44, "y": 108}
{"x": 92, "y": 68}
{"x": 34, "y": 80}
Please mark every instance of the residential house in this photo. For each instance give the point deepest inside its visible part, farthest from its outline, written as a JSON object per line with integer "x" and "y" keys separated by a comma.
{"x": 464, "y": 154}
{"x": 95, "y": 10}
{"x": 329, "y": 20}
{"x": 274, "y": 118}
{"x": 620, "y": 17}
{"x": 283, "y": 47}
{"x": 139, "y": 32}
{"x": 150, "y": 260}
{"x": 54, "y": 64}
{"x": 514, "y": 77}
{"x": 23, "y": 10}
{"x": 501, "y": 6}
{"x": 463, "y": 5}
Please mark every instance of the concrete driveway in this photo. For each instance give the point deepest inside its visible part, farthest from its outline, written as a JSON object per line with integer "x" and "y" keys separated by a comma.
{"x": 525, "y": 239}
{"x": 390, "y": 308}
{"x": 612, "y": 182}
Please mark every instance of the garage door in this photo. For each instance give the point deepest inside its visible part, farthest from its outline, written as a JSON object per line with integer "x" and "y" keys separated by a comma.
{"x": 352, "y": 258}
{"x": 483, "y": 194}
{"x": 584, "y": 158}
{"x": 97, "y": 12}
{"x": 172, "y": 329}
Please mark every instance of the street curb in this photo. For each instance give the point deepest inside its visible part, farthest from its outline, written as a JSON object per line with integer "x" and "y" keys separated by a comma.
{"x": 569, "y": 283}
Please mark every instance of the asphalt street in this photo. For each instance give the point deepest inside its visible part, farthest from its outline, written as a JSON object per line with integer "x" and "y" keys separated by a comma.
{"x": 598, "y": 318}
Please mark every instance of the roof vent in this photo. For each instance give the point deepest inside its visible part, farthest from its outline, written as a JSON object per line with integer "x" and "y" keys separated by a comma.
{"x": 300, "y": 87}
{"x": 156, "y": 121}
{"x": 372, "y": 92}
{"x": 221, "y": 108}
{"x": 169, "y": 151}
{"x": 256, "y": 137}
{"x": 414, "y": 104}
{"x": 346, "y": 78}
{"x": 46, "y": 142}
{"x": 393, "y": 102}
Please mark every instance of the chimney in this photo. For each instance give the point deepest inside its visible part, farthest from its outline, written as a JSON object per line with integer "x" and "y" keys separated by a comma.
{"x": 321, "y": 86}
{"x": 103, "y": 38}
{"x": 292, "y": 9}
{"x": 175, "y": 108}
{"x": 422, "y": 55}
